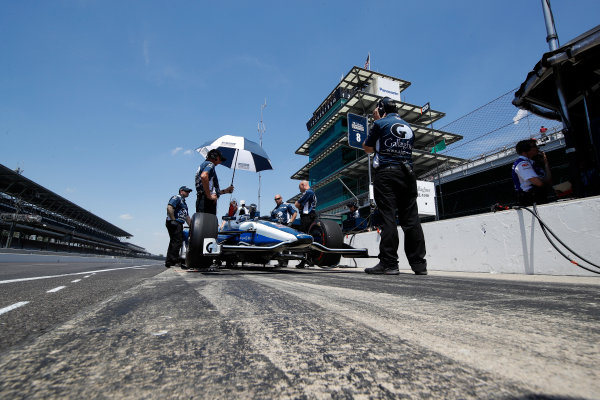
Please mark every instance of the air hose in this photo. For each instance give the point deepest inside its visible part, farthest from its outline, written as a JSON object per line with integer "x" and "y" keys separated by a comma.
{"x": 546, "y": 229}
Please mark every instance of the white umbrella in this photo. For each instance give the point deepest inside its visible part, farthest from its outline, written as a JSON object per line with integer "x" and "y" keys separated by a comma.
{"x": 240, "y": 153}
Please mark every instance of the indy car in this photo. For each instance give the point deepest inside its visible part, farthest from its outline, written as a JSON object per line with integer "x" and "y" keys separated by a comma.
{"x": 259, "y": 240}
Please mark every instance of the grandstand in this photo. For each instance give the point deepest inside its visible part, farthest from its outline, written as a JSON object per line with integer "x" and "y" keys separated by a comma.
{"x": 35, "y": 218}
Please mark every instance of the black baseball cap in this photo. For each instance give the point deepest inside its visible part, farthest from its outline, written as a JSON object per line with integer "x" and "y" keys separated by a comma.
{"x": 185, "y": 189}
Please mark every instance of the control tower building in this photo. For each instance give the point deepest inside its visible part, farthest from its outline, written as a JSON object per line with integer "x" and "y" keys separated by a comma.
{"x": 338, "y": 172}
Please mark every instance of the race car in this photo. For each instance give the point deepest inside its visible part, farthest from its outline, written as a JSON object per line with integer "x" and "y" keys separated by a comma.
{"x": 258, "y": 241}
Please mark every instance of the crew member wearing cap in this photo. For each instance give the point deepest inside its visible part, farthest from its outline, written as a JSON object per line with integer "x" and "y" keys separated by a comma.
{"x": 177, "y": 215}
{"x": 207, "y": 183}
{"x": 242, "y": 209}
{"x": 395, "y": 184}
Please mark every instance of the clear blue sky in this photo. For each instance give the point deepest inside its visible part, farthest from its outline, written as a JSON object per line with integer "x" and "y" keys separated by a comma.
{"x": 103, "y": 102}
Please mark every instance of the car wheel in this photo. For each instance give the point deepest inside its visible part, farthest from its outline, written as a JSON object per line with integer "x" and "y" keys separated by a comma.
{"x": 329, "y": 234}
{"x": 203, "y": 226}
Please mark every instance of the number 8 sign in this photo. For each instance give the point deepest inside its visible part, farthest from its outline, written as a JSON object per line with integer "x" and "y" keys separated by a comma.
{"x": 357, "y": 130}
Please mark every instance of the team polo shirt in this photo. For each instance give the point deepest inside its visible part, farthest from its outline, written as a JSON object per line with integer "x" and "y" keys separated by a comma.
{"x": 523, "y": 170}
{"x": 352, "y": 215}
{"x": 181, "y": 208}
{"x": 308, "y": 201}
{"x": 213, "y": 181}
{"x": 281, "y": 213}
{"x": 393, "y": 141}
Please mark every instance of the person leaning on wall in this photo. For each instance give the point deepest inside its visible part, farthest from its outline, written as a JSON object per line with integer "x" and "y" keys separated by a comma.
{"x": 532, "y": 180}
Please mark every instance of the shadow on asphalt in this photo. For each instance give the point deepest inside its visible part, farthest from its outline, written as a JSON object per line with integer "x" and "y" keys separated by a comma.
{"x": 257, "y": 269}
{"x": 272, "y": 271}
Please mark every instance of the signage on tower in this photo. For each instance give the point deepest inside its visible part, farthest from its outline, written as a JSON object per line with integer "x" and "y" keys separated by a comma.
{"x": 357, "y": 130}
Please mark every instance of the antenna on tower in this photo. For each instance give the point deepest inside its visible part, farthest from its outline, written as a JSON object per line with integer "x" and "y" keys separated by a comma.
{"x": 261, "y": 131}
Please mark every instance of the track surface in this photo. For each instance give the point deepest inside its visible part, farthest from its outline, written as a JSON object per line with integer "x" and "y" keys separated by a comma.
{"x": 142, "y": 331}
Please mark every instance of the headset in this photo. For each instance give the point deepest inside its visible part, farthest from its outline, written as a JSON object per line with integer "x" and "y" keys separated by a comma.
{"x": 385, "y": 105}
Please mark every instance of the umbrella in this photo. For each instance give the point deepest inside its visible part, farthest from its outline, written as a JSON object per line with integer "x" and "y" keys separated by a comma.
{"x": 240, "y": 153}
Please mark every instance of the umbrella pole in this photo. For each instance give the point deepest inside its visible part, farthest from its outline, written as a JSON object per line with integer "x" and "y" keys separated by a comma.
{"x": 234, "y": 165}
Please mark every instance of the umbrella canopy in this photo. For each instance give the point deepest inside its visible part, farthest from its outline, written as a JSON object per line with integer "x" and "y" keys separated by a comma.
{"x": 240, "y": 153}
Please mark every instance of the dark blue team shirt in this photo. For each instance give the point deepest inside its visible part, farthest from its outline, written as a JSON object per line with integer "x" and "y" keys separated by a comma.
{"x": 308, "y": 202}
{"x": 393, "y": 141}
{"x": 280, "y": 213}
{"x": 213, "y": 181}
{"x": 352, "y": 215}
{"x": 181, "y": 208}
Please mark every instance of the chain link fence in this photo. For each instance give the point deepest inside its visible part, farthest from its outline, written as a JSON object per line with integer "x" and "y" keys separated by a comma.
{"x": 490, "y": 134}
{"x": 495, "y": 127}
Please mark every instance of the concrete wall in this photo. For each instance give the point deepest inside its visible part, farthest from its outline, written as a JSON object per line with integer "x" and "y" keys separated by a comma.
{"x": 505, "y": 242}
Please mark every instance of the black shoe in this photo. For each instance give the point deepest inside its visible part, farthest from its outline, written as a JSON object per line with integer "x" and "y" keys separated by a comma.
{"x": 167, "y": 265}
{"x": 423, "y": 272}
{"x": 380, "y": 269}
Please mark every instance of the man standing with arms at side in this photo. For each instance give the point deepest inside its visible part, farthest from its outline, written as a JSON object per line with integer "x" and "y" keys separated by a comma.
{"x": 207, "y": 183}
{"x": 306, "y": 205}
{"x": 177, "y": 215}
{"x": 395, "y": 184}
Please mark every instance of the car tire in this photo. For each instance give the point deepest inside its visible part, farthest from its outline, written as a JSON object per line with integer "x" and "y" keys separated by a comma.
{"x": 203, "y": 226}
{"x": 329, "y": 234}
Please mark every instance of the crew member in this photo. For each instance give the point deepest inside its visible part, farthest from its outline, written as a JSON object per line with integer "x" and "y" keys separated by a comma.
{"x": 242, "y": 209}
{"x": 351, "y": 216}
{"x": 395, "y": 184}
{"x": 207, "y": 183}
{"x": 531, "y": 181}
{"x": 306, "y": 204}
{"x": 230, "y": 213}
{"x": 177, "y": 215}
{"x": 282, "y": 211}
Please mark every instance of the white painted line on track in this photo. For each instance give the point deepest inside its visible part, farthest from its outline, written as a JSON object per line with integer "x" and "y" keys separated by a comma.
{"x": 12, "y": 307}
{"x": 56, "y": 289}
{"x": 74, "y": 273}
{"x": 76, "y": 280}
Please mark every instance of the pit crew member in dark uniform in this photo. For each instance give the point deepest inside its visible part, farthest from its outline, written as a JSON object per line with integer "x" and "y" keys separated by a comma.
{"x": 281, "y": 212}
{"x": 177, "y": 215}
{"x": 395, "y": 184}
{"x": 306, "y": 205}
{"x": 351, "y": 216}
{"x": 207, "y": 183}
{"x": 531, "y": 181}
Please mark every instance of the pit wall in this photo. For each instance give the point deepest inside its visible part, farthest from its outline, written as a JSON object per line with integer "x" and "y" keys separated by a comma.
{"x": 504, "y": 242}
